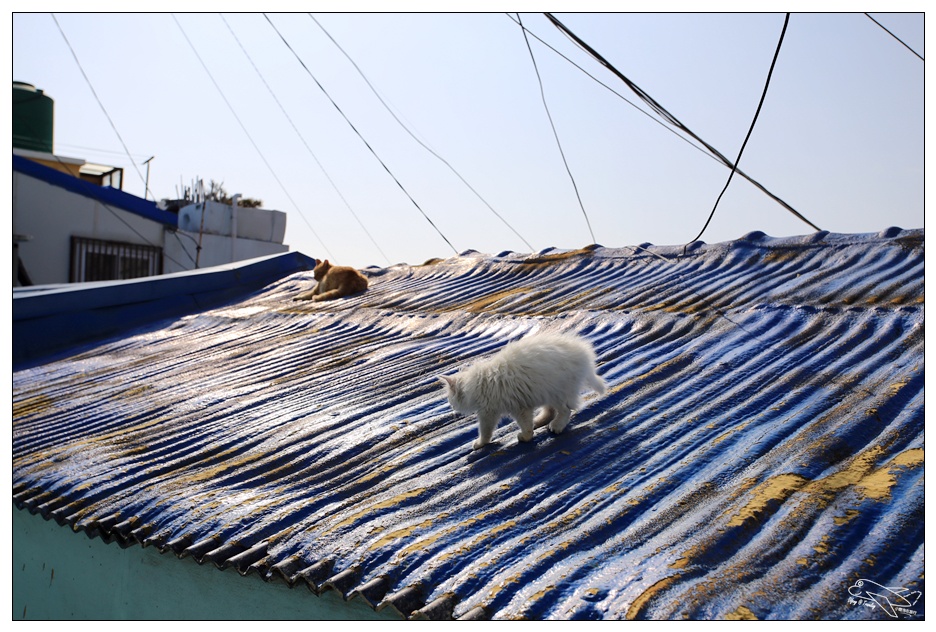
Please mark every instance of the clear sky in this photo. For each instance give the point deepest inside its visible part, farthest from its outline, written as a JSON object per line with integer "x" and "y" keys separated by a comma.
{"x": 839, "y": 137}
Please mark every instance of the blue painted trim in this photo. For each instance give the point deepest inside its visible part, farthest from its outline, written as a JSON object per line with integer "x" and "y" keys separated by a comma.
{"x": 56, "y": 320}
{"x": 106, "y": 195}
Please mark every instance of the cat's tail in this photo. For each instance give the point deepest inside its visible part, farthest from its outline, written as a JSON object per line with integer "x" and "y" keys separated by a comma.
{"x": 327, "y": 296}
{"x": 597, "y": 384}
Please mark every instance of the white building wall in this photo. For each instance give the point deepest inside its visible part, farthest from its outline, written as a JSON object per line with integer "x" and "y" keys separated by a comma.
{"x": 50, "y": 215}
{"x": 221, "y": 219}
{"x": 180, "y": 250}
{"x": 228, "y": 234}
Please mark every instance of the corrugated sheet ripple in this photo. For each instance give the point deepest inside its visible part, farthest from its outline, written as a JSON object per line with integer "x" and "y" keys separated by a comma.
{"x": 759, "y": 450}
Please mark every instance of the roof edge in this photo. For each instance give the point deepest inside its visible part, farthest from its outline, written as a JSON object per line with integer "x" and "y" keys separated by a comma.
{"x": 50, "y": 319}
{"x": 105, "y": 195}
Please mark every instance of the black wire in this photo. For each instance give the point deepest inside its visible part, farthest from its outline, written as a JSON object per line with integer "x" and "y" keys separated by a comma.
{"x": 555, "y": 133}
{"x": 366, "y": 144}
{"x": 773, "y": 63}
{"x": 101, "y": 105}
{"x": 717, "y": 157}
{"x": 610, "y": 89}
{"x": 301, "y": 138}
{"x": 408, "y": 131}
{"x": 90, "y": 188}
{"x": 249, "y": 137}
{"x": 667, "y": 116}
{"x": 895, "y": 37}
{"x": 175, "y": 233}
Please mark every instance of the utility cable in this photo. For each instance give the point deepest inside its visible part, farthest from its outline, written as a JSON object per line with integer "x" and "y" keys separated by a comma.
{"x": 661, "y": 111}
{"x": 717, "y": 310}
{"x": 366, "y": 144}
{"x": 895, "y": 37}
{"x": 83, "y": 183}
{"x": 734, "y": 168}
{"x": 610, "y": 89}
{"x": 426, "y": 147}
{"x": 716, "y": 157}
{"x": 100, "y": 104}
{"x": 555, "y": 133}
{"x": 301, "y": 138}
{"x": 249, "y": 137}
{"x": 89, "y": 187}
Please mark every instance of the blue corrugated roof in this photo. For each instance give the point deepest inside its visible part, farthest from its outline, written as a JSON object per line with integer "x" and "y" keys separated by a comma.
{"x": 50, "y": 319}
{"x": 759, "y": 450}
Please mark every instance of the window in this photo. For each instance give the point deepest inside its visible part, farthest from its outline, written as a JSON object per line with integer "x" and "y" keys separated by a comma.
{"x": 99, "y": 260}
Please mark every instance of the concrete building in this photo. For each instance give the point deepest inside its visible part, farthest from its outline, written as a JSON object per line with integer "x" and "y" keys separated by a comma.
{"x": 72, "y": 222}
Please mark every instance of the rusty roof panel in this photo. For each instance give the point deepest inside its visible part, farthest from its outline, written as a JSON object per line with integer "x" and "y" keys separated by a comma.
{"x": 759, "y": 449}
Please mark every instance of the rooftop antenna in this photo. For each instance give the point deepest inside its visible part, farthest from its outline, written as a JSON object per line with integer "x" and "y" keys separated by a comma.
{"x": 146, "y": 189}
{"x": 200, "y": 195}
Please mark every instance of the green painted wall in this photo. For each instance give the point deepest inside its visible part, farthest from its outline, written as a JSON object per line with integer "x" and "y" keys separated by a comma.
{"x": 60, "y": 574}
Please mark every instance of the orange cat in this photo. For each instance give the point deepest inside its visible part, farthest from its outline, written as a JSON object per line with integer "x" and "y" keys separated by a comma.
{"x": 336, "y": 281}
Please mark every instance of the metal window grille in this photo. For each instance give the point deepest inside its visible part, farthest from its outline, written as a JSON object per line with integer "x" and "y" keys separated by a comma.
{"x": 100, "y": 260}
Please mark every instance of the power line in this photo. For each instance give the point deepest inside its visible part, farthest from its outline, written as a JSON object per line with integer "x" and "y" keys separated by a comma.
{"x": 750, "y": 129}
{"x": 565, "y": 162}
{"x": 408, "y": 131}
{"x": 100, "y": 103}
{"x": 895, "y": 37}
{"x": 100, "y": 151}
{"x": 175, "y": 233}
{"x": 661, "y": 111}
{"x": 366, "y": 144}
{"x": 90, "y": 189}
{"x": 301, "y": 138}
{"x": 249, "y": 137}
{"x": 611, "y": 90}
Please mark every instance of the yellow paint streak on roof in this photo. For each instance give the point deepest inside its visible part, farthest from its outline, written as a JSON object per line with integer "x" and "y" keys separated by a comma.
{"x": 558, "y": 256}
{"x": 135, "y": 391}
{"x": 638, "y": 605}
{"x": 540, "y": 594}
{"x": 872, "y": 483}
{"x": 478, "y": 540}
{"x": 393, "y": 536}
{"x": 485, "y": 303}
{"x": 776, "y": 488}
{"x": 851, "y": 475}
{"x": 646, "y": 376}
{"x": 878, "y": 484}
{"x": 46, "y": 458}
{"x": 31, "y": 406}
{"x": 515, "y": 579}
{"x": 421, "y": 544}
{"x": 859, "y": 473}
{"x": 743, "y": 613}
{"x": 381, "y": 505}
{"x": 850, "y": 514}
{"x": 371, "y": 475}
{"x": 210, "y": 473}
{"x": 683, "y": 561}
{"x": 718, "y": 440}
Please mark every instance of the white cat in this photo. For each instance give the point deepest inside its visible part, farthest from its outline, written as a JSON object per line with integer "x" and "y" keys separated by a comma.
{"x": 546, "y": 370}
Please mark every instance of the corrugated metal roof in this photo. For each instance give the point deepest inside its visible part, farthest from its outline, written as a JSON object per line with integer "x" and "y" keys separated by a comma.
{"x": 759, "y": 450}
{"x": 58, "y": 319}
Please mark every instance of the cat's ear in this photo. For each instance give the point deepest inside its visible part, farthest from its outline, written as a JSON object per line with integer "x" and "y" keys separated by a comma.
{"x": 449, "y": 381}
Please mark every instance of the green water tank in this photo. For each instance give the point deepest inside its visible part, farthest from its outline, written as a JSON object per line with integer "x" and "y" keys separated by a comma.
{"x": 32, "y": 118}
